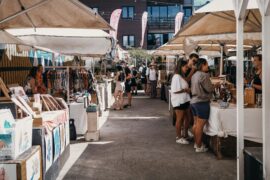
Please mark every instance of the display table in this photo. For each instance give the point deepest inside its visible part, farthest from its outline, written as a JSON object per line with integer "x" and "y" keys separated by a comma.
{"x": 78, "y": 113}
{"x": 222, "y": 122}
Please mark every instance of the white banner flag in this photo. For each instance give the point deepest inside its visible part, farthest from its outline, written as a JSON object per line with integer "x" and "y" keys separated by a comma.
{"x": 114, "y": 21}
{"x": 178, "y": 21}
{"x": 144, "y": 23}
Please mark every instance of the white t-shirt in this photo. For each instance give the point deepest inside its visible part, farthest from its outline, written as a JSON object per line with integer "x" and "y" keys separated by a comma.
{"x": 178, "y": 84}
{"x": 152, "y": 75}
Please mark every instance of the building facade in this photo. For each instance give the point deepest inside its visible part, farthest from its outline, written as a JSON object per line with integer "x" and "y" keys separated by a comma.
{"x": 160, "y": 25}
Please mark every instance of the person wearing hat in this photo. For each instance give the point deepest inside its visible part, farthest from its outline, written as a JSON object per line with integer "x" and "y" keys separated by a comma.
{"x": 153, "y": 80}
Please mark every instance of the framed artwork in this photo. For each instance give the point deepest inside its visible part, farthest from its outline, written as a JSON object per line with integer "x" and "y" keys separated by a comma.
{"x": 33, "y": 167}
{"x": 49, "y": 150}
{"x": 8, "y": 171}
{"x": 56, "y": 142}
{"x": 67, "y": 133}
{"x": 62, "y": 137}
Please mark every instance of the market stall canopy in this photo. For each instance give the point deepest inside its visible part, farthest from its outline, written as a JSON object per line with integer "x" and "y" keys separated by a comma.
{"x": 48, "y": 14}
{"x": 82, "y": 42}
{"x": 6, "y": 38}
{"x": 215, "y": 23}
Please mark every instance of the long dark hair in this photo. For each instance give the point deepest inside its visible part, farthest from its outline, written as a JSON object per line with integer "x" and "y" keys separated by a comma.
{"x": 200, "y": 63}
{"x": 179, "y": 65}
{"x": 33, "y": 72}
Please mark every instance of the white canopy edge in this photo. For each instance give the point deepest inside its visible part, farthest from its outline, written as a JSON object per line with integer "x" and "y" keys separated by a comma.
{"x": 59, "y": 32}
{"x": 224, "y": 5}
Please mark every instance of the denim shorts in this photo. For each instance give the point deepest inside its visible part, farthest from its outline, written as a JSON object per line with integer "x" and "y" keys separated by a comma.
{"x": 201, "y": 110}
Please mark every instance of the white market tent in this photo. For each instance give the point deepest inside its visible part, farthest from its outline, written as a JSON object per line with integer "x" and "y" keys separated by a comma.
{"x": 241, "y": 9}
{"x": 49, "y": 13}
{"x": 8, "y": 38}
{"x": 82, "y": 42}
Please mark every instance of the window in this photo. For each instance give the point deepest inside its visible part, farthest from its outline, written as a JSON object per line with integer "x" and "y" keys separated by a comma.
{"x": 128, "y": 41}
{"x": 154, "y": 40}
{"x": 187, "y": 11}
{"x": 128, "y": 12}
{"x": 95, "y": 9}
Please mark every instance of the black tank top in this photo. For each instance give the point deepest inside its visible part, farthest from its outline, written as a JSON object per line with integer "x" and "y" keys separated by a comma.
{"x": 257, "y": 81}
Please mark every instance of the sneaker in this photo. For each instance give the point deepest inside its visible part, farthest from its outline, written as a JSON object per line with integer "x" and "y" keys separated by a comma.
{"x": 177, "y": 138}
{"x": 202, "y": 149}
{"x": 182, "y": 141}
{"x": 195, "y": 145}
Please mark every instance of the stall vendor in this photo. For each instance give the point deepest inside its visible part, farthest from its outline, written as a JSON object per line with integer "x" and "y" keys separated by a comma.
{"x": 257, "y": 80}
{"x": 39, "y": 79}
{"x": 30, "y": 87}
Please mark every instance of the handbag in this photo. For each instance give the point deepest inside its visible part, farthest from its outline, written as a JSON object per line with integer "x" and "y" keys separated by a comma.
{"x": 72, "y": 130}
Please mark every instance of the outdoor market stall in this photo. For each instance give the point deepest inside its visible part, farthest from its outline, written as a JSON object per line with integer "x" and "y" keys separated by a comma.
{"x": 50, "y": 127}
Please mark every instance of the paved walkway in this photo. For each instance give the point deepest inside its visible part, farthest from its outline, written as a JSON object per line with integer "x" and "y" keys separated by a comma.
{"x": 139, "y": 143}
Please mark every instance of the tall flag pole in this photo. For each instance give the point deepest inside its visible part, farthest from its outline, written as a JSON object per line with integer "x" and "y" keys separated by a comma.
{"x": 144, "y": 23}
{"x": 178, "y": 21}
{"x": 114, "y": 21}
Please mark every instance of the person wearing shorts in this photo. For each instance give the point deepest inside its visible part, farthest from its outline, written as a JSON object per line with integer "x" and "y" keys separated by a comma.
{"x": 128, "y": 84}
{"x": 180, "y": 99}
{"x": 201, "y": 89}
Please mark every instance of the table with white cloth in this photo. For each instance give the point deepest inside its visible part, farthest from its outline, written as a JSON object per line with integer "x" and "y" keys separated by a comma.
{"x": 79, "y": 114}
{"x": 222, "y": 122}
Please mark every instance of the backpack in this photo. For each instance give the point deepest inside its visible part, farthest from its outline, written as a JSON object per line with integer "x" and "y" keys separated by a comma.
{"x": 122, "y": 76}
{"x": 144, "y": 72}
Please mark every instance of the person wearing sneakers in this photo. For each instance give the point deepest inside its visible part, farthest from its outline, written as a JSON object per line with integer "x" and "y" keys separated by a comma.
{"x": 180, "y": 98}
{"x": 201, "y": 89}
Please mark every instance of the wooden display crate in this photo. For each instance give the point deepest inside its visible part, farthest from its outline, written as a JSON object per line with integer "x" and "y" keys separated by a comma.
{"x": 27, "y": 166}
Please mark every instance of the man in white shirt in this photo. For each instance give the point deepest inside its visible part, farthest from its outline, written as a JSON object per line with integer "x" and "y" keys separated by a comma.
{"x": 153, "y": 80}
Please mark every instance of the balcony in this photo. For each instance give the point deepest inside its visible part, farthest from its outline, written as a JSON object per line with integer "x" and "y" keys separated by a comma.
{"x": 161, "y": 23}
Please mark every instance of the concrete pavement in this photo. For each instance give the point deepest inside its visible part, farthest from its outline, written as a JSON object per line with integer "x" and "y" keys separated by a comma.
{"x": 139, "y": 143}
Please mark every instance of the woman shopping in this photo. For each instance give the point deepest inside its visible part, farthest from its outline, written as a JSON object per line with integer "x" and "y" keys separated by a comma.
{"x": 180, "y": 98}
{"x": 201, "y": 89}
{"x": 119, "y": 89}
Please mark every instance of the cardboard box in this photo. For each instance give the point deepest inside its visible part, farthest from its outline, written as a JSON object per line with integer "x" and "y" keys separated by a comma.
{"x": 92, "y": 121}
{"x": 26, "y": 167}
{"x": 250, "y": 96}
{"x": 17, "y": 138}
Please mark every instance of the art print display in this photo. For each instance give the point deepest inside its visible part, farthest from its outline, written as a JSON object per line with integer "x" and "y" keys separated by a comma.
{"x": 15, "y": 137}
{"x": 62, "y": 137}
{"x": 8, "y": 172}
{"x": 56, "y": 142}
{"x": 49, "y": 150}
{"x": 67, "y": 133}
{"x": 33, "y": 167}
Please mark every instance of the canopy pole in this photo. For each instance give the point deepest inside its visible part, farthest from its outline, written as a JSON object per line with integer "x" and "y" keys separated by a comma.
{"x": 240, "y": 8}
{"x": 266, "y": 92}
{"x": 24, "y": 11}
{"x": 221, "y": 64}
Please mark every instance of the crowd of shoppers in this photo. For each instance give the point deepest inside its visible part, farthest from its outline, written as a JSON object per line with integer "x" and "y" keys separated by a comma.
{"x": 191, "y": 91}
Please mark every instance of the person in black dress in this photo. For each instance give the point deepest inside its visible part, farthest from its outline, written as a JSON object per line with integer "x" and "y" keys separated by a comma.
{"x": 257, "y": 80}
